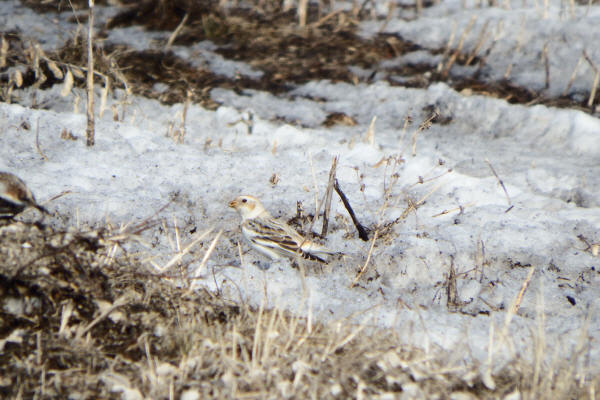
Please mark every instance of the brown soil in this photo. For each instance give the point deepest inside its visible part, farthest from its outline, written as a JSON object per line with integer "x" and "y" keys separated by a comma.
{"x": 270, "y": 40}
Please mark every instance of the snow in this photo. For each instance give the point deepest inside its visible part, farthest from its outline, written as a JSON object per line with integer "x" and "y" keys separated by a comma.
{"x": 521, "y": 35}
{"x": 547, "y": 158}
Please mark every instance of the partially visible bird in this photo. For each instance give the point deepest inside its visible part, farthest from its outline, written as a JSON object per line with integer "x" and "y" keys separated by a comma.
{"x": 272, "y": 237}
{"x": 15, "y": 196}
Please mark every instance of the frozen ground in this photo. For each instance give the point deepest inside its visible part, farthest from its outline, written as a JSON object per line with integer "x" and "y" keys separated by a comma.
{"x": 548, "y": 159}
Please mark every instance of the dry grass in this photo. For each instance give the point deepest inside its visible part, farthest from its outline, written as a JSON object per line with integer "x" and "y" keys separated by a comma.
{"x": 267, "y": 37}
{"x": 76, "y": 322}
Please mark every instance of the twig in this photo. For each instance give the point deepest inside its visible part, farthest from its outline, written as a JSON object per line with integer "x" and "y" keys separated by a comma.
{"x": 596, "y": 79}
{"x": 573, "y": 76}
{"x": 370, "y": 138}
{"x": 211, "y": 248}
{"x": 103, "y": 96}
{"x": 517, "y": 49}
{"x": 591, "y": 247}
{"x": 177, "y": 258}
{"x": 362, "y": 233}
{"x": 459, "y": 47}
{"x": 388, "y": 16}
{"x": 121, "y": 301}
{"x": 461, "y": 209}
{"x": 317, "y": 202}
{"x": 328, "y": 194}
{"x": 37, "y": 141}
{"x": 424, "y": 125}
{"x": 302, "y": 12}
{"x": 452, "y": 300}
{"x": 176, "y": 32}
{"x": 364, "y": 267}
{"x": 414, "y": 205}
{"x": 179, "y": 134}
{"x": 517, "y": 303}
{"x": 140, "y": 227}
{"x": 546, "y": 62}
{"x": 90, "y": 130}
{"x": 326, "y": 18}
{"x": 483, "y": 36}
{"x": 61, "y": 194}
{"x": 501, "y": 184}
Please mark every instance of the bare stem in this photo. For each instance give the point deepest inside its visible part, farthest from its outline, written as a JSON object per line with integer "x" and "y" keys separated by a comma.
{"x": 328, "y": 195}
{"x": 89, "y": 132}
{"x": 362, "y": 232}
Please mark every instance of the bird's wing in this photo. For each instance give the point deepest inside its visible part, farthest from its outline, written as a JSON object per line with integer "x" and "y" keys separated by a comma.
{"x": 277, "y": 236}
{"x": 270, "y": 233}
{"x": 8, "y": 208}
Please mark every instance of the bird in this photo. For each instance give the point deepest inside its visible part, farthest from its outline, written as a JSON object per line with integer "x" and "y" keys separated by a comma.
{"x": 15, "y": 196}
{"x": 272, "y": 237}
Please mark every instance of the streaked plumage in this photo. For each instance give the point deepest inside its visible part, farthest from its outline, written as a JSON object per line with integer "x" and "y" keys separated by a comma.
{"x": 15, "y": 196}
{"x": 272, "y": 237}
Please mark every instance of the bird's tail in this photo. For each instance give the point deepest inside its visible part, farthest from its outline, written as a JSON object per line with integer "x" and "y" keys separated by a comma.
{"x": 316, "y": 251}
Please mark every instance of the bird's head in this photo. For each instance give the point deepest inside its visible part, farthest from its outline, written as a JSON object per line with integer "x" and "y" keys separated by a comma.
{"x": 248, "y": 206}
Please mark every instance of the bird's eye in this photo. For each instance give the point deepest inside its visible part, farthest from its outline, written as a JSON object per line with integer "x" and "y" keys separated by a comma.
{"x": 244, "y": 200}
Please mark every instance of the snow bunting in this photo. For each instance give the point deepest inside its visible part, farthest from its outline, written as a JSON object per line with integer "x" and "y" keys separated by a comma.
{"x": 15, "y": 196}
{"x": 272, "y": 237}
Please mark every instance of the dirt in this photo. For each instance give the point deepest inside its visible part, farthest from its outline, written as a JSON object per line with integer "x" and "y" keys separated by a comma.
{"x": 269, "y": 39}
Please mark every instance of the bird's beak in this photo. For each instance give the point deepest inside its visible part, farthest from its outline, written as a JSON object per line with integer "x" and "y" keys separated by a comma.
{"x": 233, "y": 204}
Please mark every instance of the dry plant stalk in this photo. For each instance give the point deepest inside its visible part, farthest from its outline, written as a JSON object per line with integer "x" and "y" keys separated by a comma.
{"x": 452, "y": 299}
{"x": 90, "y": 130}
{"x": 483, "y": 36}
{"x": 179, "y": 134}
{"x": 590, "y": 102}
{"x": 370, "y": 138}
{"x": 326, "y": 18}
{"x": 211, "y": 248}
{"x": 424, "y": 125}
{"x": 302, "y": 12}
{"x": 419, "y": 7}
{"x": 460, "y": 209}
{"x": 407, "y": 122}
{"x": 520, "y": 41}
{"x": 592, "y": 247}
{"x": 3, "y": 52}
{"x": 573, "y": 75}
{"x": 366, "y": 264}
{"x": 37, "y": 141}
{"x": 388, "y": 17}
{"x": 182, "y": 252}
{"x": 414, "y": 205}
{"x": 546, "y": 61}
{"x": 118, "y": 303}
{"x": 501, "y": 184}
{"x": 362, "y": 233}
{"x": 514, "y": 308}
{"x": 176, "y": 32}
{"x": 440, "y": 66}
{"x": 459, "y": 47}
{"x": 104, "y": 96}
{"x": 328, "y": 195}
{"x": 67, "y": 84}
